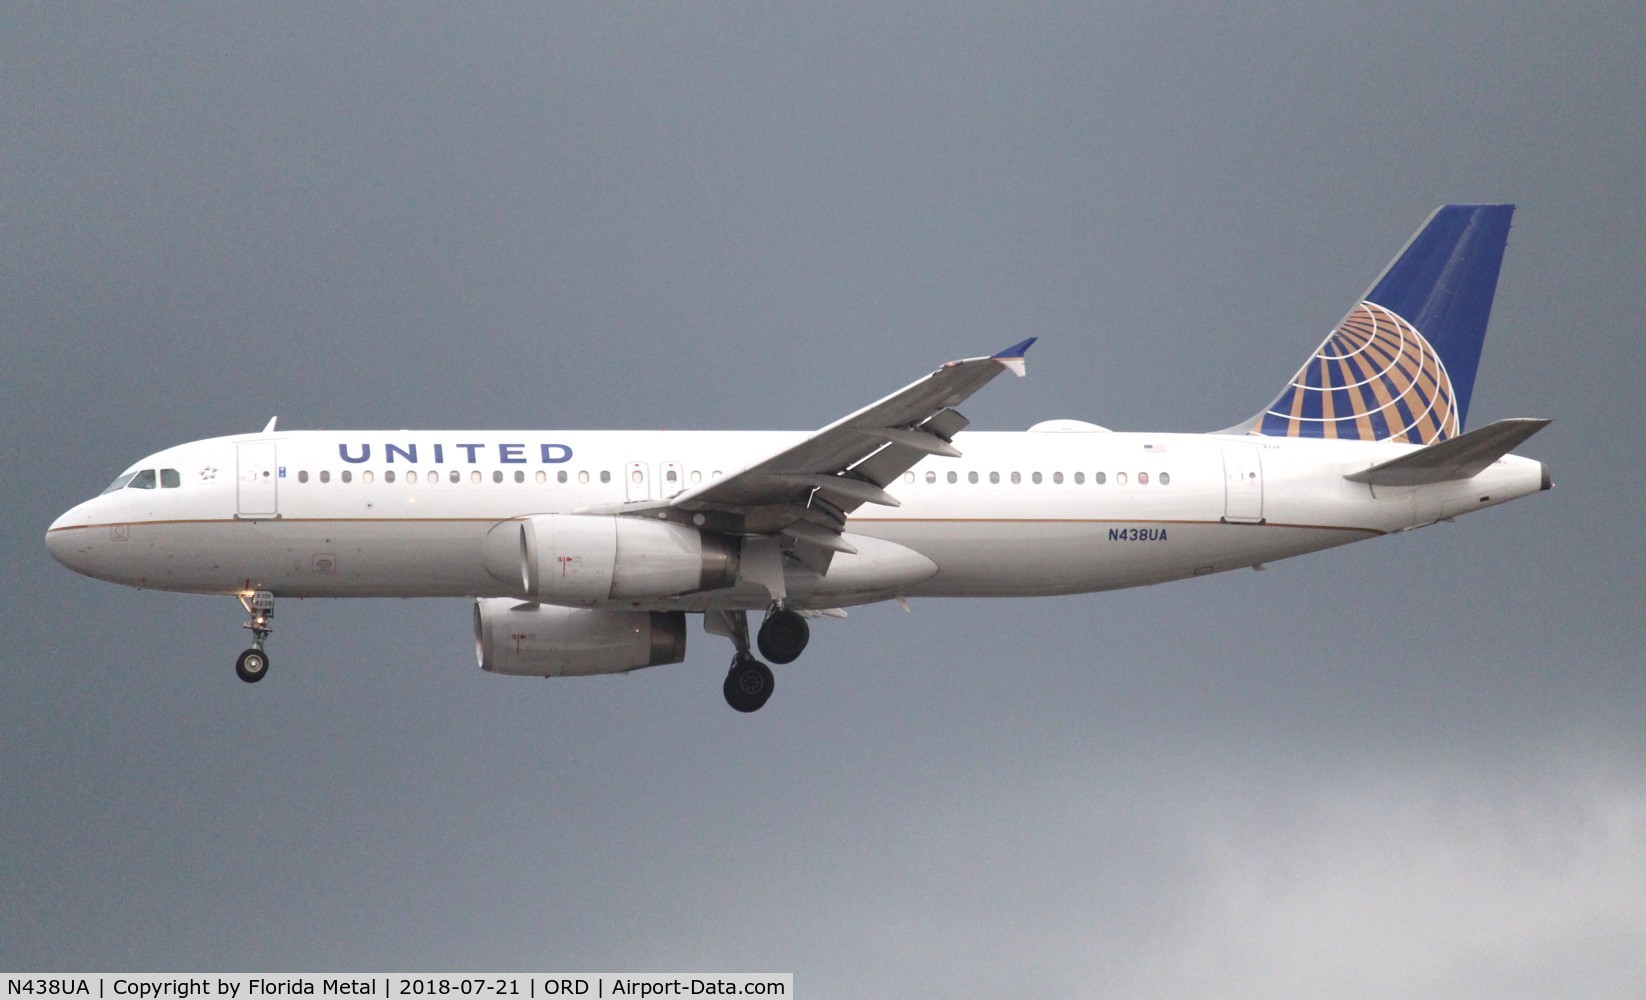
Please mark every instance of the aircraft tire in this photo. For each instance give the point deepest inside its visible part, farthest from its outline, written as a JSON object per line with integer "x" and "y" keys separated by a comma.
{"x": 748, "y": 684}
{"x": 252, "y": 666}
{"x": 783, "y": 636}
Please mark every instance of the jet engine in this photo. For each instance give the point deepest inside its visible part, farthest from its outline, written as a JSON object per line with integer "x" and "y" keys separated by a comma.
{"x": 544, "y": 640}
{"x": 589, "y": 558}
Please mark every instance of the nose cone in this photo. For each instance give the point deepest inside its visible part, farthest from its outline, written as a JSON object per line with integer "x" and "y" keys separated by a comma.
{"x": 68, "y": 539}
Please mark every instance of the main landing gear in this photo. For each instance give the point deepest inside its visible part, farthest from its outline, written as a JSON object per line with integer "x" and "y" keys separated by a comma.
{"x": 748, "y": 684}
{"x": 782, "y": 638}
{"x": 253, "y": 664}
{"x": 783, "y": 635}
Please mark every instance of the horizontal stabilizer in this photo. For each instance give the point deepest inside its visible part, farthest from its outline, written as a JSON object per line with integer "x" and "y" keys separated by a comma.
{"x": 1462, "y": 457}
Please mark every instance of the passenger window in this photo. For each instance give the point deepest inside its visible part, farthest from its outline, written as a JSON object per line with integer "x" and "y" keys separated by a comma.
{"x": 971, "y": 477}
{"x": 671, "y": 477}
{"x": 432, "y": 476}
{"x": 346, "y": 476}
{"x": 605, "y": 476}
{"x": 1057, "y": 478}
{"x": 143, "y": 480}
{"x": 583, "y": 475}
{"x": 1017, "y": 478}
{"x": 994, "y": 477}
{"x": 636, "y": 476}
{"x": 474, "y": 477}
{"x": 1079, "y": 478}
{"x": 302, "y": 476}
{"x": 455, "y": 476}
{"x": 1120, "y": 479}
{"x": 697, "y": 477}
{"x": 908, "y": 477}
{"x": 953, "y": 478}
{"x": 366, "y": 477}
{"x": 411, "y": 477}
{"x": 1035, "y": 479}
{"x": 497, "y": 475}
{"x": 170, "y": 479}
{"x": 542, "y": 477}
{"x": 325, "y": 476}
{"x": 519, "y": 476}
{"x": 560, "y": 476}
{"x": 931, "y": 477}
{"x": 1100, "y": 478}
{"x": 1142, "y": 479}
{"x": 1165, "y": 479}
{"x": 388, "y": 476}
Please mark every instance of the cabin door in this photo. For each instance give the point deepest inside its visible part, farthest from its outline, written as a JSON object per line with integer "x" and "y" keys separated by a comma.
{"x": 1242, "y": 484}
{"x": 259, "y": 480}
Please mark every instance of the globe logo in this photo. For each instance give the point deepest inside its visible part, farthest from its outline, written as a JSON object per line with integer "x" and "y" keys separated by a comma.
{"x": 1374, "y": 379}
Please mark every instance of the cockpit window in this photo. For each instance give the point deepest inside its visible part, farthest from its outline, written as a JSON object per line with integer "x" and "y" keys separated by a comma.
{"x": 142, "y": 481}
{"x": 170, "y": 479}
{"x": 120, "y": 484}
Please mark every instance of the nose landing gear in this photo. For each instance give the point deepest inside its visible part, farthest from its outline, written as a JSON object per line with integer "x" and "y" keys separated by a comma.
{"x": 253, "y": 664}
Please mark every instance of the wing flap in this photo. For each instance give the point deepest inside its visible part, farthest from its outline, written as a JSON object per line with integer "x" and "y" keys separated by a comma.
{"x": 921, "y": 440}
{"x": 806, "y": 531}
{"x": 1461, "y": 457}
{"x": 837, "y": 487}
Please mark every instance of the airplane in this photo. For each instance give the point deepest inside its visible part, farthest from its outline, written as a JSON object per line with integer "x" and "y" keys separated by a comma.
{"x": 584, "y": 551}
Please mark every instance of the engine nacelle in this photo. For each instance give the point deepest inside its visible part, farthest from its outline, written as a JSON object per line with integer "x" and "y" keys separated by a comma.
{"x": 543, "y": 640}
{"x": 589, "y": 558}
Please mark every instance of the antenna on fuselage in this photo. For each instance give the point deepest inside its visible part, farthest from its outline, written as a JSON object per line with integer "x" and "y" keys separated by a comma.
{"x": 269, "y": 428}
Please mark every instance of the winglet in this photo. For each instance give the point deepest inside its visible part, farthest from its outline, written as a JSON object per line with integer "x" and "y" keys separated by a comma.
{"x": 1012, "y": 357}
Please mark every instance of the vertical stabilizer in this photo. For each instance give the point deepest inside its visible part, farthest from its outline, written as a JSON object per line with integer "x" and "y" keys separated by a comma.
{"x": 1401, "y": 365}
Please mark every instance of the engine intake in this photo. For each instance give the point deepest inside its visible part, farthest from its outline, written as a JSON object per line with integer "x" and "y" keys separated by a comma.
{"x": 589, "y": 558}
{"x": 544, "y": 640}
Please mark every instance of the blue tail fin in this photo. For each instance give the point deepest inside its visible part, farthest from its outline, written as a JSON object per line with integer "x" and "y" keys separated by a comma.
{"x": 1401, "y": 366}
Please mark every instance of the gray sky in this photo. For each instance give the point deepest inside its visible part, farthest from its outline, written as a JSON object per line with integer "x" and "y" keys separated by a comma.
{"x": 1411, "y": 767}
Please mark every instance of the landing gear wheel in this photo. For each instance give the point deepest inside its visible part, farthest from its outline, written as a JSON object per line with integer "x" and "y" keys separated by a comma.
{"x": 252, "y": 666}
{"x": 783, "y": 636}
{"x": 748, "y": 685}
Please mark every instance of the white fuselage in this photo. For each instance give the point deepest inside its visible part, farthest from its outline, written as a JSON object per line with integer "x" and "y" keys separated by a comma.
{"x": 408, "y": 514}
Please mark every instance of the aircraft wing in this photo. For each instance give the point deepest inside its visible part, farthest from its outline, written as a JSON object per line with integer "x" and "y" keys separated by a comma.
{"x": 803, "y": 493}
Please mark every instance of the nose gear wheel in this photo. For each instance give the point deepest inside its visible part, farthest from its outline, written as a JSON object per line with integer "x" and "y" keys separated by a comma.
{"x": 253, "y": 664}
